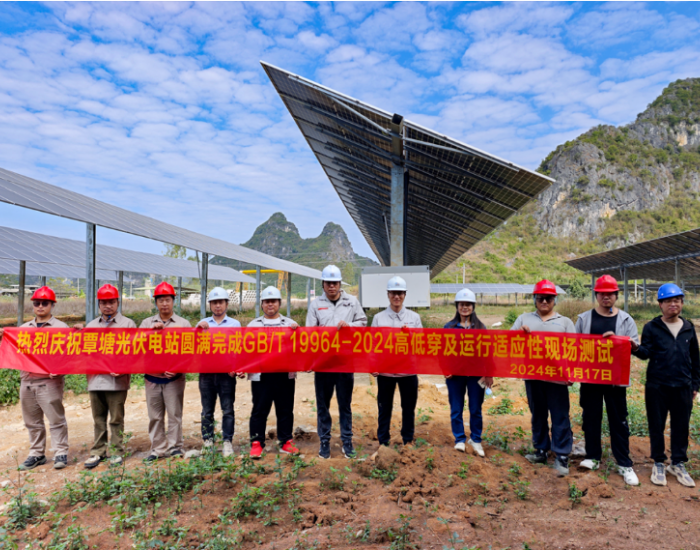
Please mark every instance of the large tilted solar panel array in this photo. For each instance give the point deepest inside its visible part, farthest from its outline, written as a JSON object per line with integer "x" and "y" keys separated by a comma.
{"x": 50, "y": 251}
{"x": 487, "y": 289}
{"x": 456, "y": 194}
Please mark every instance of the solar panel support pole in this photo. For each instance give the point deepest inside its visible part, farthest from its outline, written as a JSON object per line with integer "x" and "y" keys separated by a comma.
{"x": 592, "y": 287}
{"x": 308, "y": 294}
{"x": 42, "y": 281}
{"x": 257, "y": 291}
{"x": 644, "y": 291}
{"x": 398, "y": 211}
{"x": 203, "y": 283}
{"x": 120, "y": 288}
{"x": 20, "y": 293}
{"x": 289, "y": 294}
{"x": 90, "y": 238}
{"x": 626, "y": 290}
{"x": 179, "y": 295}
{"x": 678, "y": 272}
{"x": 240, "y": 297}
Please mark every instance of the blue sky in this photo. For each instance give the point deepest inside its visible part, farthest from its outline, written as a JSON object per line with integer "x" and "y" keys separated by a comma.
{"x": 164, "y": 108}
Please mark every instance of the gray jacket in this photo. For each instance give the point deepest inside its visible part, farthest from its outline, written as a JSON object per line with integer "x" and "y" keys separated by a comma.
{"x": 107, "y": 382}
{"x": 624, "y": 325}
{"x": 324, "y": 313}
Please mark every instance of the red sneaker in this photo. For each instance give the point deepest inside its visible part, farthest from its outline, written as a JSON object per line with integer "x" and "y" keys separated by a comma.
{"x": 256, "y": 450}
{"x": 289, "y": 448}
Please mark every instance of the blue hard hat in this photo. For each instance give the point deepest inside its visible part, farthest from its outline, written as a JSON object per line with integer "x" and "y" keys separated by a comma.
{"x": 669, "y": 290}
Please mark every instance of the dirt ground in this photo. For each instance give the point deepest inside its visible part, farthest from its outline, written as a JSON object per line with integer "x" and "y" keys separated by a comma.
{"x": 454, "y": 500}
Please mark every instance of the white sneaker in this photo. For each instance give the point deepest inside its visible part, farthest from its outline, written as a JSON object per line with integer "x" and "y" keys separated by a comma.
{"x": 208, "y": 445}
{"x": 478, "y": 449}
{"x": 628, "y": 474}
{"x": 228, "y": 449}
{"x": 658, "y": 474}
{"x": 579, "y": 449}
{"x": 460, "y": 446}
{"x": 590, "y": 464}
{"x": 681, "y": 474}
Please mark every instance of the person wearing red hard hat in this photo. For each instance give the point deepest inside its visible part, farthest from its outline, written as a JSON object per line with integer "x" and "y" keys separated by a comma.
{"x": 165, "y": 393}
{"x": 607, "y": 320}
{"x": 108, "y": 391}
{"x": 41, "y": 395}
{"x": 548, "y": 398}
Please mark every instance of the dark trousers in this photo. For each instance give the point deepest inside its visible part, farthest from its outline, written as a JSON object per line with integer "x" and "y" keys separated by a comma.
{"x": 408, "y": 389}
{"x": 223, "y": 386}
{"x": 277, "y": 388}
{"x": 660, "y": 401}
{"x": 342, "y": 383}
{"x": 457, "y": 388}
{"x": 549, "y": 399}
{"x": 615, "y": 397}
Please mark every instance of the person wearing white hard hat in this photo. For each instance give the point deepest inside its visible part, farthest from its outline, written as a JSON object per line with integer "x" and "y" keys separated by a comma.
{"x": 396, "y": 316}
{"x": 473, "y": 387}
{"x": 271, "y": 388}
{"x": 219, "y": 384}
{"x": 334, "y": 308}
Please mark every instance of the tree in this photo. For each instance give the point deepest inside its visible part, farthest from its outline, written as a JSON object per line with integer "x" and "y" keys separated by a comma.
{"x": 175, "y": 251}
{"x": 577, "y": 290}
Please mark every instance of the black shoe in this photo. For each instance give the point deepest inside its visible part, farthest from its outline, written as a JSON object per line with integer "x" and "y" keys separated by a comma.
{"x": 32, "y": 462}
{"x": 177, "y": 452}
{"x": 538, "y": 457}
{"x": 325, "y": 450}
{"x": 151, "y": 458}
{"x": 349, "y": 451}
{"x": 561, "y": 465}
{"x": 60, "y": 462}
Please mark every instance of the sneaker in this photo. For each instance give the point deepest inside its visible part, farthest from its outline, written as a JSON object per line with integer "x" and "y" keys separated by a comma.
{"x": 460, "y": 446}
{"x": 115, "y": 460}
{"x": 60, "y": 462}
{"x": 561, "y": 465}
{"x": 658, "y": 473}
{"x": 176, "y": 453}
{"x": 538, "y": 457}
{"x": 590, "y": 464}
{"x": 228, "y": 449}
{"x": 93, "y": 461}
{"x": 579, "y": 449}
{"x": 256, "y": 450}
{"x": 208, "y": 445}
{"x": 325, "y": 450}
{"x": 681, "y": 474}
{"x": 478, "y": 448}
{"x": 151, "y": 458}
{"x": 629, "y": 475}
{"x": 289, "y": 448}
{"x": 348, "y": 451}
{"x": 32, "y": 462}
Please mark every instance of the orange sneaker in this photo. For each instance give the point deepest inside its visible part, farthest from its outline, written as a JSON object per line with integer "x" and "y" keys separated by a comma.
{"x": 289, "y": 448}
{"x": 256, "y": 450}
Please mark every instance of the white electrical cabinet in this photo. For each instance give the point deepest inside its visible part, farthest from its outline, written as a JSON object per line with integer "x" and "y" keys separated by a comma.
{"x": 373, "y": 293}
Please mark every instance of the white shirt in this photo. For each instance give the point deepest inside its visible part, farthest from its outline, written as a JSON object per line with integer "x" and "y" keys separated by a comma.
{"x": 389, "y": 318}
{"x": 260, "y": 322}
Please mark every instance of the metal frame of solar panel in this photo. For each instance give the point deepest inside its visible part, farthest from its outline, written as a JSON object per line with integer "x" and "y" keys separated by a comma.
{"x": 674, "y": 257}
{"x": 426, "y": 193}
{"x": 16, "y": 244}
{"x": 489, "y": 289}
{"x": 35, "y": 269}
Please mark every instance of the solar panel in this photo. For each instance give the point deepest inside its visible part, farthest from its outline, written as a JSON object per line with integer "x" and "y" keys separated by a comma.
{"x": 37, "y": 195}
{"x": 655, "y": 259}
{"x": 11, "y": 267}
{"x": 455, "y": 194}
{"x": 489, "y": 289}
{"x": 40, "y": 249}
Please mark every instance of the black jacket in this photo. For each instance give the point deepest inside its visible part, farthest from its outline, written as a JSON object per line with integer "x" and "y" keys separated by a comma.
{"x": 672, "y": 361}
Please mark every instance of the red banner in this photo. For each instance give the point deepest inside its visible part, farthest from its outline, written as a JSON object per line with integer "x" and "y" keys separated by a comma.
{"x": 498, "y": 353}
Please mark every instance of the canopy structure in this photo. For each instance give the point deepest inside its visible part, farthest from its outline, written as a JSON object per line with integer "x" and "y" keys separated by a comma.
{"x": 22, "y": 191}
{"x": 33, "y": 269}
{"x": 488, "y": 289}
{"x": 39, "y": 250}
{"x": 418, "y": 197}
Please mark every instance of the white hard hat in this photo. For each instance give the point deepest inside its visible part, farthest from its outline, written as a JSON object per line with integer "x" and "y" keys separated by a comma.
{"x": 217, "y": 293}
{"x": 270, "y": 293}
{"x": 396, "y": 283}
{"x": 465, "y": 295}
{"x": 331, "y": 273}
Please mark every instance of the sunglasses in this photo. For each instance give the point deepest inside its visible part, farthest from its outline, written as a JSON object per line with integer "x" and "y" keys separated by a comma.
{"x": 42, "y": 303}
{"x": 545, "y": 298}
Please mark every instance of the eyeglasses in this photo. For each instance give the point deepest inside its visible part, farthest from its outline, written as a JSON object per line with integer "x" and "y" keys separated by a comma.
{"x": 541, "y": 298}
{"x": 42, "y": 303}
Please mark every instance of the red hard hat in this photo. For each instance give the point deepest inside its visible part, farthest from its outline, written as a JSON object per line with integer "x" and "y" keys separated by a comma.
{"x": 606, "y": 283}
{"x": 44, "y": 293}
{"x": 107, "y": 292}
{"x": 164, "y": 289}
{"x": 545, "y": 287}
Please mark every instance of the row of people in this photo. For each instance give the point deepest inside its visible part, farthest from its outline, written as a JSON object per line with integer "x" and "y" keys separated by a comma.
{"x": 669, "y": 342}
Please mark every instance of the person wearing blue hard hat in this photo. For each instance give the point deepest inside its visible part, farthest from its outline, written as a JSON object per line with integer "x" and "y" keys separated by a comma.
{"x": 672, "y": 383}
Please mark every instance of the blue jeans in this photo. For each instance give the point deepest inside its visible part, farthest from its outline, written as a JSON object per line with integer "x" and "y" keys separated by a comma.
{"x": 223, "y": 386}
{"x": 457, "y": 388}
